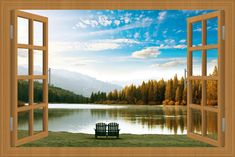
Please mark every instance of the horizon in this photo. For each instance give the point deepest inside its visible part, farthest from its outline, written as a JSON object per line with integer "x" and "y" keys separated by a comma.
{"x": 124, "y": 46}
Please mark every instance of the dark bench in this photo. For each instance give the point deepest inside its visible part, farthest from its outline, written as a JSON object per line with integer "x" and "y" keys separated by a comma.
{"x": 113, "y": 129}
{"x": 101, "y": 130}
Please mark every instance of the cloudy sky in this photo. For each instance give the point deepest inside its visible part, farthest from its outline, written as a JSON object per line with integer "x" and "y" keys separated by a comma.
{"x": 125, "y": 46}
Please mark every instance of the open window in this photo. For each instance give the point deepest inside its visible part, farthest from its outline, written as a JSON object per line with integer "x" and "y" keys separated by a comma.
{"x": 30, "y": 51}
{"x": 202, "y": 105}
{"x": 29, "y": 43}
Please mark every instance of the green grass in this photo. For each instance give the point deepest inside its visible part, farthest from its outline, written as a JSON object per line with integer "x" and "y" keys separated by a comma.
{"x": 64, "y": 139}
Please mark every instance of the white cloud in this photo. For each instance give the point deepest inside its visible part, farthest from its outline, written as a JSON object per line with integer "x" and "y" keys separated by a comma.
{"x": 95, "y": 45}
{"x": 79, "y": 25}
{"x": 171, "y": 44}
{"x": 104, "y": 21}
{"x": 179, "y": 31}
{"x": 117, "y": 22}
{"x": 197, "y": 30}
{"x": 146, "y": 22}
{"x": 180, "y": 46}
{"x": 164, "y": 32}
{"x": 126, "y": 18}
{"x": 136, "y": 35}
{"x": 161, "y": 16}
{"x": 149, "y": 52}
{"x": 182, "y": 41}
{"x": 171, "y": 63}
{"x": 92, "y": 23}
{"x": 147, "y": 37}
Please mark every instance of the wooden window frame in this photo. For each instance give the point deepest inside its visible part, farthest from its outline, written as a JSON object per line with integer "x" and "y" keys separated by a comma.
{"x": 6, "y": 6}
{"x": 31, "y": 77}
{"x": 204, "y": 77}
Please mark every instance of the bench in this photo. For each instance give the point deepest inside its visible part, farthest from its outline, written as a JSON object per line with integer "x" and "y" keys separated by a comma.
{"x": 101, "y": 130}
{"x": 113, "y": 129}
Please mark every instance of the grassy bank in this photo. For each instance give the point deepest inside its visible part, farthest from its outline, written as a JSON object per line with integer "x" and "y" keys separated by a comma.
{"x": 64, "y": 139}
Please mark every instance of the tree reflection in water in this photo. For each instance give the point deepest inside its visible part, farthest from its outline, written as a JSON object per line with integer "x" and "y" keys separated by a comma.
{"x": 136, "y": 119}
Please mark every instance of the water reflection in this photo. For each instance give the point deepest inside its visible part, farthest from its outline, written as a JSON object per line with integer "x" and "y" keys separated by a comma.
{"x": 139, "y": 119}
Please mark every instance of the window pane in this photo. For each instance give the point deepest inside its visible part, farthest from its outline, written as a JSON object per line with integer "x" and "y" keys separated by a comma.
{"x": 212, "y": 31}
{"x": 38, "y": 33}
{"x": 38, "y": 62}
{"x": 23, "y": 61}
{"x": 196, "y": 121}
{"x": 211, "y": 125}
{"x": 23, "y": 30}
{"x": 212, "y": 62}
{"x": 38, "y": 91}
{"x": 197, "y": 34}
{"x": 23, "y": 93}
{"x": 23, "y": 124}
{"x": 211, "y": 92}
{"x": 197, "y": 63}
{"x": 38, "y": 120}
{"x": 196, "y": 92}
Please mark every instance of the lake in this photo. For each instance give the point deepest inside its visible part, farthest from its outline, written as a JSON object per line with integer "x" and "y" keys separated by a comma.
{"x": 133, "y": 119}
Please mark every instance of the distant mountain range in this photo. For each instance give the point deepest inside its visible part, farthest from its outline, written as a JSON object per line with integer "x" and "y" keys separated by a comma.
{"x": 77, "y": 82}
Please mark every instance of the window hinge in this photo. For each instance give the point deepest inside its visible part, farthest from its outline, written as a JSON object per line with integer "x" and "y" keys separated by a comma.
{"x": 11, "y": 32}
{"x": 223, "y": 124}
{"x": 11, "y": 123}
{"x": 223, "y": 32}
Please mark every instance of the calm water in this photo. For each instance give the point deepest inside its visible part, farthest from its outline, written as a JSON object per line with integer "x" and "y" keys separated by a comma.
{"x": 134, "y": 119}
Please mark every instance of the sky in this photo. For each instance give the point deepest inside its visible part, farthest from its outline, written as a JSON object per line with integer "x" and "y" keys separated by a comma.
{"x": 123, "y": 46}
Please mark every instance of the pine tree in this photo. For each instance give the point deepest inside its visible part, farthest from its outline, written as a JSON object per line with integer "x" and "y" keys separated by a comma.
{"x": 169, "y": 95}
{"x": 175, "y": 85}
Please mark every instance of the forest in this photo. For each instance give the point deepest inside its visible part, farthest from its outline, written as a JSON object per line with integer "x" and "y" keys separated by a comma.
{"x": 152, "y": 92}
{"x": 55, "y": 94}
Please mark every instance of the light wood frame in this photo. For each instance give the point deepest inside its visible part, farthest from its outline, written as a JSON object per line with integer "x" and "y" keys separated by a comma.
{"x": 31, "y": 77}
{"x": 203, "y": 108}
{"x": 6, "y": 6}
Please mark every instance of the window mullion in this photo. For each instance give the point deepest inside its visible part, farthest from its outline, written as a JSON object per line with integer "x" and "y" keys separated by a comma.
{"x": 31, "y": 81}
{"x": 204, "y": 73}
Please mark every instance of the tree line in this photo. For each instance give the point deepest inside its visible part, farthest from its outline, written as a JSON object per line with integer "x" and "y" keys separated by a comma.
{"x": 55, "y": 94}
{"x": 153, "y": 92}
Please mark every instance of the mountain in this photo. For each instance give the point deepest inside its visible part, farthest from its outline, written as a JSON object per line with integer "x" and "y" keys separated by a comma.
{"x": 77, "y": 82}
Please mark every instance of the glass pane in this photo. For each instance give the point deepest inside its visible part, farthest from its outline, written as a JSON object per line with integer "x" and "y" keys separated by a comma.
{"x": 196, "y": 92}
{"x": 23, "y": 30}
{"x": 38, "y": 62}
{"x": 38, "y": 120}
{"x": 211, "y": 92}
{"x": 23, "y": 93}
{"x": 38, "y": 91}
{"x": 197, "y": 34}
{"x": 197, "y": 63}
{"x": 38, "y": 33}
{"x": 211, "y": 125}
{"x": 23, "y": 124}
{"x": 212, "y": 31}
{"x": 23, "y": 61}
{"x": 212, "y": 62}
{"x": 196, "y": 121}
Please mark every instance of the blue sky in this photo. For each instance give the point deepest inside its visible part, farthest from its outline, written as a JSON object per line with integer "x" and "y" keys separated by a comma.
{"x": 124, "y": 46}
